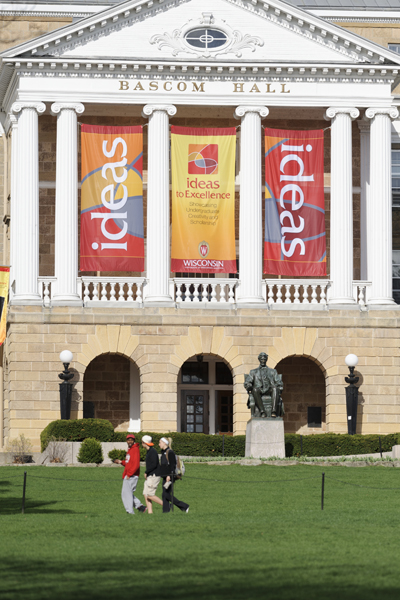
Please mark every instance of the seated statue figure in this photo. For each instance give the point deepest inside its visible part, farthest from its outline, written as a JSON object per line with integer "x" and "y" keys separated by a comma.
{"x": 264, "y": 386}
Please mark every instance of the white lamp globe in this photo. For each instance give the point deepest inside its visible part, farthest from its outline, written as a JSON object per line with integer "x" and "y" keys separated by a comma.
{"x": 66, "y": 356}
{"x": 351, "y": 360}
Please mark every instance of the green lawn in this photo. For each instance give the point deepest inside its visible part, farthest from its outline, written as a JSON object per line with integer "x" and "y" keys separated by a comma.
{"x": 251, "y": 533}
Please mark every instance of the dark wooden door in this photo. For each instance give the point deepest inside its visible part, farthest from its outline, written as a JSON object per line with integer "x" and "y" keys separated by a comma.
{"x": 194, "y": 411}
{"x": 225, "y": 411}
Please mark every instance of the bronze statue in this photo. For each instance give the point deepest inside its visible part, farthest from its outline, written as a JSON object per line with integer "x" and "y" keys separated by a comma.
{"x": 264, "y": 386}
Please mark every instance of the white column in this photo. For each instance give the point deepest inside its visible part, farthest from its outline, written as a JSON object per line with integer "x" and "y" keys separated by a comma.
{"x": 250, "y": 211}
{"x": 341, "y": 230}
{"x": 66, "y": 221}
{"x": 26, "y": 204}
{"x": 158, "y": 226}
{"x": 13, "y": 204}
{"x": 379, "y": 207}
{"x": 364, "y": 176}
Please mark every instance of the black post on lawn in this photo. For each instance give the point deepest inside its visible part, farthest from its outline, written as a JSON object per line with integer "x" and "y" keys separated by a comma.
{"x": 380, "y": 446}
{"x": 301, "y": 445}
{"x": 172, "y": 492}
{"x": 23, "y": 494}
{"x": 223, "y": 445}
{"x": 322, "y": 491}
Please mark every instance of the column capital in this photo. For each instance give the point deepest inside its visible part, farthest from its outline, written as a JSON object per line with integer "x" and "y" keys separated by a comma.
{"x": 149, "y": 109}
{"x": 241, "y": 111}
{"x": 391, "y": 112}
{"x": 333, "y": 111}
{"x": 57, "y": 107}
{"x": 17, "y": 107}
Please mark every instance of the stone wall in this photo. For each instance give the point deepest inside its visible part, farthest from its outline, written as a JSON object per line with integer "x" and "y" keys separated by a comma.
{"x": 160, "y": 340}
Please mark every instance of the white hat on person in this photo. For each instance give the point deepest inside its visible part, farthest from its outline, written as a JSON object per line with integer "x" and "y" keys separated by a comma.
{"x": 148, "y": 440}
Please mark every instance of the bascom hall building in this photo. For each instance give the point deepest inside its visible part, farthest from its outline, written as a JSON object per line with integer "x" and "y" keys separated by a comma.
{"x": 165, "y": 351}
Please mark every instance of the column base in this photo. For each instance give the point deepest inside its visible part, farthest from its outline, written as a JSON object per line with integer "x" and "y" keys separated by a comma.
{"x": 250, "y": 300}
{"x": 380, "y": 301}
{"x": 23, "y": 299}
{"x": 159, "y": 301}
{"x": 345, "y": 300}
{"x": 70, "y": 300}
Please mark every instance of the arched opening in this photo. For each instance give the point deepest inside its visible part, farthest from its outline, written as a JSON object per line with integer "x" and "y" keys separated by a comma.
{"x": 205, "y": 396}
{"x": 304, "y": 395}
{"x": 111, "y": 390}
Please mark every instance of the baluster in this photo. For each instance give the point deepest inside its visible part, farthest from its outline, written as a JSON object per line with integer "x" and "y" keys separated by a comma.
{"x": 46, "y": 295}
{"x": 213, "y": 292}
{"x": 322, "y": 295}
{"x": 314, "y": 294}
{"x": 178, "y": 293}
{"x": 287, "y": 294}
{"x": 103, "y": 288}
{"x": 86, "y": 296}
{"x": 222, "y": 293}
{"x": 95, "y": 291}
{"x": 305, "y": 294}
{"x": 112, "y": 292}
{"x": 361, "y": 295}
{"x": 296, "y": 294}
{"x": 204, "y": 294}
{"x": 231, "y": 294}
{"x": 279, "y": 293}
{"x": 271, "y": 294}
{"x": 129, "y": 297}
{"x": 196, "y": 291}
{"x": 121, "y": 292}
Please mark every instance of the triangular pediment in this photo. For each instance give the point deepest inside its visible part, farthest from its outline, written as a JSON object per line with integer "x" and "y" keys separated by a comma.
{"x": 165, "y": 30}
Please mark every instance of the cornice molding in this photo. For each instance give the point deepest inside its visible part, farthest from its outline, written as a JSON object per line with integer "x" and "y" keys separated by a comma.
{"x": 218, "y": 71}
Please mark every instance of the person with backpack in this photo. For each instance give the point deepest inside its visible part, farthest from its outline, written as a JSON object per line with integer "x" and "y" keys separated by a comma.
{"x": 152, "y": 478}
{"x": 130, "y": 476}
{"x": 168, "y": 472}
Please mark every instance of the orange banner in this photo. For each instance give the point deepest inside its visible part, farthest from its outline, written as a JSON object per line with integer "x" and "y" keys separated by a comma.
{"x": 203, "y": 200}
{"x": 112, "y": 199}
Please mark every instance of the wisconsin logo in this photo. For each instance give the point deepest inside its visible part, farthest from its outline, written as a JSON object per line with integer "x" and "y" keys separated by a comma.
{"x": 203, "y": 160}
{"x": 204, "y": 249}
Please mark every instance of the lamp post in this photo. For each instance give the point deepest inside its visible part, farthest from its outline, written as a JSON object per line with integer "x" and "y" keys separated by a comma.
{"x": 65, "y": 387}
{"x": 351, "y": 361}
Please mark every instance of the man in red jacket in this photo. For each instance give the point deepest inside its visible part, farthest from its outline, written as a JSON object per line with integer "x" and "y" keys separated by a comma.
{"x": 130, "y": 476}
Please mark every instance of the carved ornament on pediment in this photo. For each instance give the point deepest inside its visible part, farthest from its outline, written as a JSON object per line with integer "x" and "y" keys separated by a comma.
{"x": 206, "y": 37}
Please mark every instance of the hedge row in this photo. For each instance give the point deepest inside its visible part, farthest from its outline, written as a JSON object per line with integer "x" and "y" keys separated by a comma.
{"x": 77, "y": 431}
{"x": 199, "y": 444}
{"x": 337, "y": 444}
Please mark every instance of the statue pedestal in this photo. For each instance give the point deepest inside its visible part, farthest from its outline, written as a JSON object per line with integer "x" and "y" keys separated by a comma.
{"x": 265, "y": 438}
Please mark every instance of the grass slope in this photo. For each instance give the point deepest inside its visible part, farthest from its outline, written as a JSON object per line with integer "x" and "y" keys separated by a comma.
{"x": 252, "y": 532}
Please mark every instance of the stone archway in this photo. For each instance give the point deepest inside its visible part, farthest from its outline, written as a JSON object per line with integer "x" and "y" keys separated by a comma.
{"x": 111, "y": 390}
{"x": 304, "y": 395}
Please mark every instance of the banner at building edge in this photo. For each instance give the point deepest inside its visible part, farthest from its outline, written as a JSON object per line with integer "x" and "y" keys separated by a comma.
{"x": 203, "y": 200}
{"x": 295, "y": 240}
{"x": 4, "y": 286}
{"x": 112, "y": 185}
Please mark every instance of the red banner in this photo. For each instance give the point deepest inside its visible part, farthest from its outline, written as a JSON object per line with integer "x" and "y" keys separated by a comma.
{"x": 112, "y": 199}
{"x": 295, "y": 241}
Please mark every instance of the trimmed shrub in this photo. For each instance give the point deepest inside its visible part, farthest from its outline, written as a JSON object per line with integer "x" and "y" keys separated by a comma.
{"x": 338, "y": 444}
{"x": 77, "y": 431}
{"x": 117, "y": 454}
{"x": 192, "y": 444}
{"x": 90, "y": 451}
